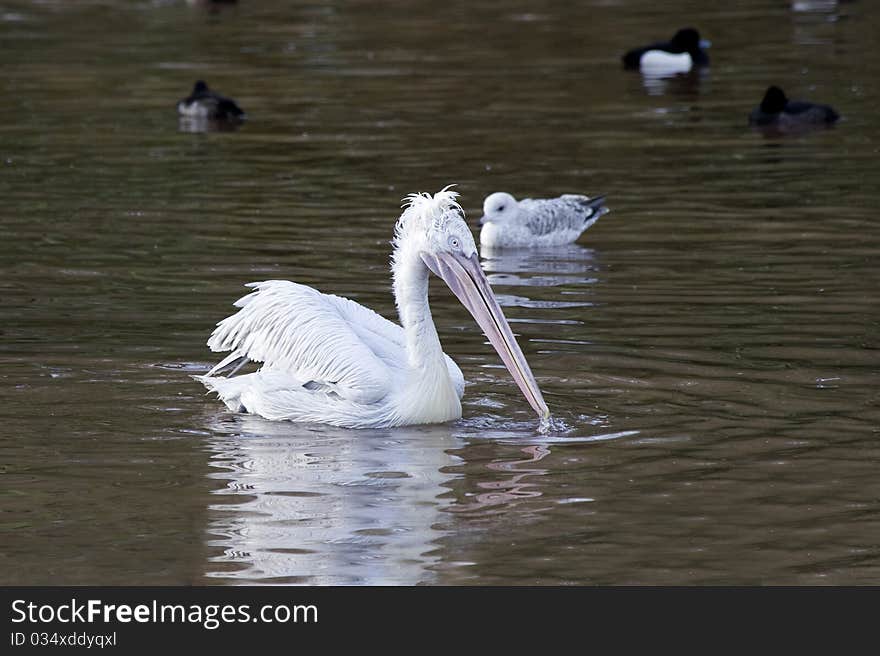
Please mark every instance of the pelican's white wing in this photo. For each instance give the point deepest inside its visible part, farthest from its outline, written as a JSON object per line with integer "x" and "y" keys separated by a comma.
{"x": 320, "y": 339}
{"x": 385, "y": 337}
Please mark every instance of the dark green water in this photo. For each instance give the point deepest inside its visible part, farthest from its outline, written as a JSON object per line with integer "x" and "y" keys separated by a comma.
{"x": 711, "y": 345}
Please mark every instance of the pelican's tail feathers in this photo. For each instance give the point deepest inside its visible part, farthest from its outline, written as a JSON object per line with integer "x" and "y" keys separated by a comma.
{"x": 258, "y": 392}
{"x": 229, "y": 365}
{"x": 228, "y": 389}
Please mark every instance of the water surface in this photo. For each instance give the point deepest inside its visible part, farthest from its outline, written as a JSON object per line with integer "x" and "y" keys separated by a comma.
{"x": 709, "y": 348}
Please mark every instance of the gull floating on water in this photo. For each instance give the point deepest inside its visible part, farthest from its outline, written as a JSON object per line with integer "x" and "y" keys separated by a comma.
{"x": 327, "y": 359}
{"x": 509, "y": 223}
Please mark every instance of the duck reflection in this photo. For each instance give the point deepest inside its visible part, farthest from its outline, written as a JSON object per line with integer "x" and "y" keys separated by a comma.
{"x": 196, "y": 124}
{"x": 681, "y": 85}
{"x": 814, "y": 23}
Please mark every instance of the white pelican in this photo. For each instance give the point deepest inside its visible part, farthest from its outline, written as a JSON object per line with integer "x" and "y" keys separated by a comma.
{"x": 330, "y": 360}
{"x": 509, "y": 223}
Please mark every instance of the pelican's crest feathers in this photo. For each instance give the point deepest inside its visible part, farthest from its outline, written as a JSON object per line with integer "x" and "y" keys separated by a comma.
{"x": 423, "y": 210}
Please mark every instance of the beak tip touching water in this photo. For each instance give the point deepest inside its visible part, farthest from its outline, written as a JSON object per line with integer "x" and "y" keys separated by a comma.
{"x": 464, "y": 276}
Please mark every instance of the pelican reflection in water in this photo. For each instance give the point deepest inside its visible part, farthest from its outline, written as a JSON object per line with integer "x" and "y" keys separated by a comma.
{"x": 327, "y": 359}
{"x": 320, "y": 505}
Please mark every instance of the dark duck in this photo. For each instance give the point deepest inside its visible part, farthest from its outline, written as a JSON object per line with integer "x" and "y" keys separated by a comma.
{"x": 203, "y": 103}
{"x": 777, "y": 111}
{"x": 680, "y": 54}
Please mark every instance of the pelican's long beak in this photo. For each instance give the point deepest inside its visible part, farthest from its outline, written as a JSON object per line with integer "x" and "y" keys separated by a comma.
{"x": 467, "y": 281}
{"x": 484, "y": 220}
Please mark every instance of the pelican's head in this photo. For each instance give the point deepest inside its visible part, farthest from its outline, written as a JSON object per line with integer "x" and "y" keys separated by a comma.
{"x": 499, "y": 207}
{"x": 433, "y": 224}
{"x": 435, "y": 228}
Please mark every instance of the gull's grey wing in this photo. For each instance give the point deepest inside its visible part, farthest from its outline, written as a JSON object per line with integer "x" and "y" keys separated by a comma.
{"x": 568, "y": 212}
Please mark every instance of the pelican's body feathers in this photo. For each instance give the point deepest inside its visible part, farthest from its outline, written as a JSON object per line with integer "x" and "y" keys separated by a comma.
{"x": 317, "y": 350}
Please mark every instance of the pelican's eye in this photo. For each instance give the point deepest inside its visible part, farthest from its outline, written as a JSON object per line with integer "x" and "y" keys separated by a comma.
{"x": 501, "y": 208}
{"x": 454, "y": 243}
